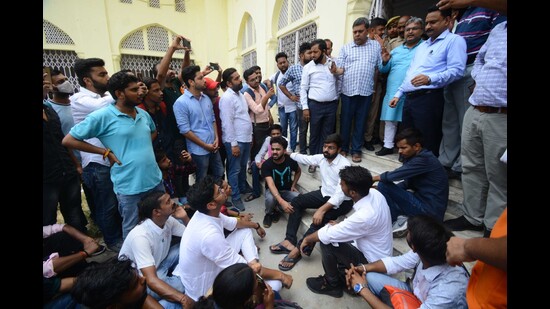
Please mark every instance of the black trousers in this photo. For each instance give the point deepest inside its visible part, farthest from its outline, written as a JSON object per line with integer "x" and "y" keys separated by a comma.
{"x": 337, "y": 259}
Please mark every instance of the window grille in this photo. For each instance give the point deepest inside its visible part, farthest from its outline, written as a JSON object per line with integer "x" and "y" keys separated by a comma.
{"x": 126, "y": 1}
{"x": 54, "y": 35}
{"x": 297, "y": 10}
{"x": 154, "y": 3}
{"x": 283, "y": 15}
{"x": 290, "y": 43}
{"x": 157, "y": 38}
{"x": 249, "y": 59}
{"x": 180, "y": 6}
{"x": 143, "y": 65}
{"x": 249, "y": 35}
{"x": 134, "y": 41}
{"x": 62, "y": 60}
{"x": 311, "y": 6}
{"x": 294, "y": 11}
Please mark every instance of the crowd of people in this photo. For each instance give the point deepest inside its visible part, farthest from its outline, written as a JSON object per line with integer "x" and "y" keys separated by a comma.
{"x": 433, "y": 88}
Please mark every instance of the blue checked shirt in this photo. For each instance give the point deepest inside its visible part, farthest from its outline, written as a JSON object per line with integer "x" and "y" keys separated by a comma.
{"x": 293, "y": 75}
{"x": 359, "y": 63}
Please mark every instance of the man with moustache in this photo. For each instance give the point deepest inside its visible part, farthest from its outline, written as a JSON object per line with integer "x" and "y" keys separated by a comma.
{"x": 96, "y": 170}
{"x": 196, "y": 122}
{"x": 329, "y": 200}
{"x": 400, "y": 39}
{"x": 438, "y": 61}
{"x": 319, "y": 97}
{"x": 236, "y": 134}
{"x": 126, "y": 132}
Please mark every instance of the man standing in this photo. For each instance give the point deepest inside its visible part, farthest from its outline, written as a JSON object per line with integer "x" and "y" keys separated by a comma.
{"x": 294, "y": 77}
{"x": 318, "y": 93}
{"x": 437, "y": 62}
{"x": 329, "y": 201}
{"x": 127, "y": 132}
{"x": 422, "y": 173}
{"x": 280, "y": 188}
{"x": 236, "y": 134}
{"x": 287, "y": 107}
{"x": 369, "y": 226}
{"x": 328, "y": 52}
{"x": 357, "y": 63}
{"x": 195, "y": 118}
{"x": 400, "y": 39}
{"x": 148, "y": 245}
{"x": 96, "y": 170}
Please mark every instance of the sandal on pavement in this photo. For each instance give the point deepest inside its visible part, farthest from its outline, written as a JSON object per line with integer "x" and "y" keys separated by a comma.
{"x": 280, "y": 249}
{"x": 356, "y": 158}
{"x": 250, "y": 197}
{"x": 289, "y": 260}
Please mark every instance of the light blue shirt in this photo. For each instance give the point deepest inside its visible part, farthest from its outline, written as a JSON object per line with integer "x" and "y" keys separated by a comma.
{"x": 196, "y": 116}
{"x": 440, "y": 286}
{"x": 236, "y": 123}
{"x": 359, "y": 63}
{"x": 443, "y": 60}
{"x": 130, "y": 140}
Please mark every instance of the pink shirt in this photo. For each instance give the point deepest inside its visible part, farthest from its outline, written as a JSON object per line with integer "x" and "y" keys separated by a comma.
{"x": 47, "y": 266}
{"x": 258, "y": 114}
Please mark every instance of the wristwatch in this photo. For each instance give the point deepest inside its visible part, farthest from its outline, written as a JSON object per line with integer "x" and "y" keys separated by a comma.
{"x": 358, "y": 287}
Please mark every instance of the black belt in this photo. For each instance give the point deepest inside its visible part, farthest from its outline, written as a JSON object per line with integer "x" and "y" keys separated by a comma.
{"x": 471, "y": 59}
{"x": 417, "y": 93}
{"x": 335, "y": 101}
{"x": 262, "y": 124}
{"x": 491, "y": 109}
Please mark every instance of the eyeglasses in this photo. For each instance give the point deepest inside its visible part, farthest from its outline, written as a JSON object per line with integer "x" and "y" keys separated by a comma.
{"x": 412, "y": 29}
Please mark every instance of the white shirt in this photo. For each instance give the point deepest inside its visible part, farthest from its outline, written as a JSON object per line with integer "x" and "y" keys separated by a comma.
{"x": 236, "y": 124}
{"x": 261, "y": 155}
{"x": 282, "y": 99}
{"x": 370, "y": 226}
{"x": 330, "y": 179}
{"x": 204, "y": 253}
{"x": 147, "y": 244}
{"x": 317, "y": 84}
{"x": 82, "y": 104}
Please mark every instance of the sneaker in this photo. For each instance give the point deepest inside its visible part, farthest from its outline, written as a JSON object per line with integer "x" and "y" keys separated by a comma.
{"x": 320, "y": 285}
{"x": 99, "y": 251}
{"x": 384, "y": 151}
{"x": 276, "y": 216}
{"x": 399, "y": 227}
{"x": 461, "y": 224}
{"x": 115, "y": 247}
{"x": 267, "y": 220}
{"x": 238, "y": 204}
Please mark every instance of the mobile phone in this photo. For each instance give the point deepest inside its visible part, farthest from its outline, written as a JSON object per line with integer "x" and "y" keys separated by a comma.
{"x": 214, "y": 66}
{"x": 48, "y": 71}
{"x": 186, "y": 43}
{"x": 261, "y": 282}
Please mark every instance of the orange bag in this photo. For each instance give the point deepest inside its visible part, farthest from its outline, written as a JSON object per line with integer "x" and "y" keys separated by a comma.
{"x": 398, "y": 298}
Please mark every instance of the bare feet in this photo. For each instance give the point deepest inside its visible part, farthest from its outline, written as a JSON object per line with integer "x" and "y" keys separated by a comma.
{"x": 287, "y": 280}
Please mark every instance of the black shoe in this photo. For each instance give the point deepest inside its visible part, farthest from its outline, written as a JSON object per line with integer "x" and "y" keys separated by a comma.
{"x": 454, "y": 175}
{"x": 369, "y": 146}
{"x": 276, "y": 216}
{"x": 320, "y": 285}
{"x": 384, "y": 151}
{"x": 461, "y": 224}
{"x": 376, "y": 141}
{"x": 267, "y": 220}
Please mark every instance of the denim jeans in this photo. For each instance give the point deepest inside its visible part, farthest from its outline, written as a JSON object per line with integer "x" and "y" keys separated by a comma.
{"x": 97, "y": 178}
{"x": 376, "y": 282}
{"x": 354, "y": 110}
{"x": 164, "y": 273}
{"x": 209, "y": 164}
{"x": 236, "y": 174}
{"x": 66, "y": 192}
{"x": 291, "y": 119}
{"x": 303, "y": 126}
{"x": 271, "y": 202}
{"x": 256, "y": 185}
{"x": 403, "y": 202}
{"x": 128, "y": 208}
{"x": 65, "y": 301}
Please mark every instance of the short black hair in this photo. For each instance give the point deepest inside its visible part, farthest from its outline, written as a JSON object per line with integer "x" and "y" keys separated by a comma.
{"x": 279, "y": 55}
{"x": 304, "y": 47}
{"x": 149, "y": 81}
{"x": 334, "y": 138}
{"x": 279, "y": 140}
{"x": 411, "y": 135}
{"x": 120, "y": 81}
{"x": 361, "y": 21}
{"x": 357, "y": 178}
{"x": 378, "y": 21}
{"x": 189, "y": 73}
{"x": 83, "y": 68}
{"x": 248, "y": 72}
{"x": 201, "y": 193}
{"x": 322, "y": 44}
{"x": 226, "y": 76}
{"x": 429, "y": 237}
{"x": 444, "y": 13}
{"x": 148, "y": 203}
{"x": 275, "y": 126}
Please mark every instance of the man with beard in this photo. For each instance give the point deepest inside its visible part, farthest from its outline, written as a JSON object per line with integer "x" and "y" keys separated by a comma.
{"x": 318, "y": 93}
{"x": 96, "y": 174}
{"x": 127, "y": 133}
{"x": 294, "y": 76}
{"x": 196, "y": 122}
{"x": 329, "y": 200}
{"x": 236, "y": 134}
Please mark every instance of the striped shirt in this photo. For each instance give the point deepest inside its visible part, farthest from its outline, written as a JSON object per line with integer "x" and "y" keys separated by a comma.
{"x": 359, "y": 63}
{"x": 294, "y": 76}
{"x": 474, "y": 26}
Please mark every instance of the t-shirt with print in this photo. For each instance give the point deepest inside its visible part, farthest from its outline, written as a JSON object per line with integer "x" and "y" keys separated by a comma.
{"x": 280, "y": 172}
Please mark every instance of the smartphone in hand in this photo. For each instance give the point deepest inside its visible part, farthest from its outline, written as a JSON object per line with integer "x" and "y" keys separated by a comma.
{"x": 47, "y": 70}
{"x": 186, "y": 43}
{"x": 214, "y": 66}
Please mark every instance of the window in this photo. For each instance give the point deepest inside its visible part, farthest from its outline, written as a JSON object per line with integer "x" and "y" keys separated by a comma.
{"x": 126, "y": 1}
{"x": 180, "y": 6}
{"x": 154, "y": 3}
{"x": 293, "y": 10}
{"x": 248, "y": 44}
{"x": 290, "y": 42}
{"x": 62, "y": 60}
{"x": 143, "y": 65}
{"x": 54, "y": 35}
{"x": 249, "y": 59}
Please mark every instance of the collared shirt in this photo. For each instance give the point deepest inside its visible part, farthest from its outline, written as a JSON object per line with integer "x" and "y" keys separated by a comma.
{"x": 204, "y": 252}
{"x": 370, "y": 227}
{"x": 443, "y": 60}
{"x": 82, "y": 104}
{"x": 282, "y": 99}
{"x": 148, "y": 244}
{"x": 257, "y": 112}
{"x": 440, "y": 286}
{"x": 490, "y": 70}
{"x": 130, "y": 141}
{"x": 475, "y": 25}
{"x": 47, "y": 265}
{"x": 266, "y": 150}
{"x": 330, "y": 179}
{"x": 197, "y": 116}
{"x": 396, "y": 42}
{"x": 293, "y": 76}
{"x": 359, "y": 63}
{"x": 236, "y": 124}
{"x": 317, "y": 84}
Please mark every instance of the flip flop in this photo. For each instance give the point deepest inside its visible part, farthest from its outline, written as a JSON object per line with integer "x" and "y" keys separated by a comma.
{"x": 280, "y": 249}
{"x": 250, "y": 197}
{"x": 289, "y": 260}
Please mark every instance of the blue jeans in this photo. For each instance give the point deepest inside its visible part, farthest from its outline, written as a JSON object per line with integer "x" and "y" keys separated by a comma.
{"x": 236, "y": 174}
{"x": 65, "y": 301}
{"x": 354, "y": 110}
{"x": 66, "y": 192}
{"x": 271, "y": 202}
{"x": 209, "y": 164}
{"x": 376, "y": 282}
{"x": 97, "y": 178}
{"x": 164, "y": 273}
{"x": 291, "y": 119}
{"x": 403, "y": 202}
{"x": 256, "y": 186}
{"x": 128, "y": 208}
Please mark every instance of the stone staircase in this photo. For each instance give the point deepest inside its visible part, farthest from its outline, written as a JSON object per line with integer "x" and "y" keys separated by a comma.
{"x": 377, "y": 165}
